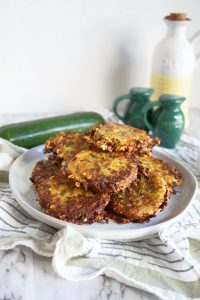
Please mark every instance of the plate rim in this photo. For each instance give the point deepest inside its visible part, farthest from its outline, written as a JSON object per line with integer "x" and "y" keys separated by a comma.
{"x": 155, "y": 228}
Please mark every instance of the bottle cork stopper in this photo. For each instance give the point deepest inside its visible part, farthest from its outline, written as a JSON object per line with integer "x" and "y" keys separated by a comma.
{"x": 177, "y": 17}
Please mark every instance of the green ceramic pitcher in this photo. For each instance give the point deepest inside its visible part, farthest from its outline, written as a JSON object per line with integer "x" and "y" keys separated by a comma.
{"x": 167, "y": 121}
{"x": 133, "y": 115}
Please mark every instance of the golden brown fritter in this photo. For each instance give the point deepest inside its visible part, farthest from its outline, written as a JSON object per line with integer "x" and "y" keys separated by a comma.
{"x": 61, "y": 199}
{"x": 117, "y": 137}
{"x": 92, "y": 177}
{"x": 171, "y": 175}
{"x": 142, "y": 200}
{"x": 66, "y": 145}
{"x": 101, "y": 171}
{"x": 44, "y": 169}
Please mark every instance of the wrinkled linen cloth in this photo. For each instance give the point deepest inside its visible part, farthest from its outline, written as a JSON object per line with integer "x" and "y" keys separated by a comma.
{"x": 167, "y": 265}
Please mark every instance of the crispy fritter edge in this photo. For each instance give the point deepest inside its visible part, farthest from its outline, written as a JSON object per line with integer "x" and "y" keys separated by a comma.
{"x": 136, "y": 147}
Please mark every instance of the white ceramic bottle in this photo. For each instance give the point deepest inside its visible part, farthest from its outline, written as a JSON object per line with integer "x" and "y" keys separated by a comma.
{"x": 174, "y": 61}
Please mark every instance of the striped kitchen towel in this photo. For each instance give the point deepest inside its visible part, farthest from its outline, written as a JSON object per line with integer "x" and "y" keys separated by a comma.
{"x": 167, "y": 265}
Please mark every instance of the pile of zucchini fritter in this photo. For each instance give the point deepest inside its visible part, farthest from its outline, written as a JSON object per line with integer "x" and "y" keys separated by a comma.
{"x": 108, "y": 172}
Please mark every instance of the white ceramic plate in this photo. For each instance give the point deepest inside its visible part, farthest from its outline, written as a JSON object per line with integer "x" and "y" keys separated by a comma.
{"x": 26, "y": 196}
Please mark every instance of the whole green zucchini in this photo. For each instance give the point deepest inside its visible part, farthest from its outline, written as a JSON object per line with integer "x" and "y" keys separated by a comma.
{"x": 33, "y": 133}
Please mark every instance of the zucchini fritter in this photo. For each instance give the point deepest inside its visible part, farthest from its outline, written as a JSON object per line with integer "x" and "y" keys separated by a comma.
{"x": 101, "y": 171}
{"x": 66, "y": 145}
{"x": 171, "y": 175}
{"x": 106, "y": 173}
{"x": 142, "y": 200}
{"x": 59, "y": 197}
{"x": 125, "y": 138}
{"x": 43, "y": 170}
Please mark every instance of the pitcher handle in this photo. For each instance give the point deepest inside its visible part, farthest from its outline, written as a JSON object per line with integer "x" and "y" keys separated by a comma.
{"x": 192, "y": 41}
{"x": 145, "y": 111}
{"x": 116, "y": 103}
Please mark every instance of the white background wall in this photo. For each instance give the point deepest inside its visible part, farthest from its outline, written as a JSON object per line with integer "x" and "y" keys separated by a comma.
{"x": 65, "y": 55}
